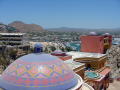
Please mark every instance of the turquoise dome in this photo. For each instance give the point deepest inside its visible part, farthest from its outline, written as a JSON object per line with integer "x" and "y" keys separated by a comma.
{"x": 38, "y": 72}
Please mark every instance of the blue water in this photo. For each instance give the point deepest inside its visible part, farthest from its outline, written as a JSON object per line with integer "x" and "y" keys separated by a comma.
{"x": 75, "y": 46}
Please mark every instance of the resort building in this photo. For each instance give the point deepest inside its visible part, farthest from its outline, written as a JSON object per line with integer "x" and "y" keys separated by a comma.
{"x": 94, "y": 43}
{"x": 61, "y": 70}
{"x": 13, "y": 38}
{"x": 91, "y": 67}
{"x": 96, "y": 71}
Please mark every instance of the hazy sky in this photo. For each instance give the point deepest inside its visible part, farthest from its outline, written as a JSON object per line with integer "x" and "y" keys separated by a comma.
{"x": 62, "y": 13}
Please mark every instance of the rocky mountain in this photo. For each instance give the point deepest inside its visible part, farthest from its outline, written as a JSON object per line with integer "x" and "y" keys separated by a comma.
{"x": 113, "y": 55}
{"x": 7, "y": 28}
{"x": 23, "y": 27}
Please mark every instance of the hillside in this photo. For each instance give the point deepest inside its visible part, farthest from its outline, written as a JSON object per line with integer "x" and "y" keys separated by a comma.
{"x": 23, "y": 27}
{"x": 7, "y": 28}
{"x": 85, "y": 30}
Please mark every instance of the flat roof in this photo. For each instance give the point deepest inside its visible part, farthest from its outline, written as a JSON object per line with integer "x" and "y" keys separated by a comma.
{"x": 72, "y": 64}
{"x": 12, "y": 33}
{"x": 84, "y": 54}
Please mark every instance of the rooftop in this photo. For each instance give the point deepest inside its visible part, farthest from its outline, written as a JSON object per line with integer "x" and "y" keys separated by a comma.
{"x": 12, "y": 33}
{"x": 85, "y": 54}
{"x": 72, "y": 64}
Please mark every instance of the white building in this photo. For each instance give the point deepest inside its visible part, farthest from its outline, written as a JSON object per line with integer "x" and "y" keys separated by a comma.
{"x": 13, "y": 38}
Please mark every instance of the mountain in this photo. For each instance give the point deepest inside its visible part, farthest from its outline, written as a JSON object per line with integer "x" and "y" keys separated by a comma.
{"x": 23, "y": 27}
{"x": 7, "y": 28}
{"x": 84, "y": 30}
{"x": 67, "y": 29}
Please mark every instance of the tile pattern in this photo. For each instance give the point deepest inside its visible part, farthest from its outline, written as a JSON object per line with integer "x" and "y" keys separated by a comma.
{"x": 21, "y": 73}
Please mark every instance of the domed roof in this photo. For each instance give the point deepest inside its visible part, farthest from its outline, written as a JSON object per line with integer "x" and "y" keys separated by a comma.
{"x": 92, "y": 33}
{"x": 106, "y": 34}
{"x": 38, "y": 45}
{"x": 58, "y": 53}
{"x": 38, "y": 72}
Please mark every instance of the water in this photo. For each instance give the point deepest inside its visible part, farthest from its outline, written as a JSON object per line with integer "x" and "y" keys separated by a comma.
{"x": 74, "y": 46}
{"x": 116, "y": 41}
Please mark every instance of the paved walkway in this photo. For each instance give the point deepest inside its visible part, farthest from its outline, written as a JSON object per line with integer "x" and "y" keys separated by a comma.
{"x": 114, "y": 86}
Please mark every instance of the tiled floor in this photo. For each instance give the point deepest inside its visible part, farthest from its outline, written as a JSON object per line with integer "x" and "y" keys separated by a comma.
{"x": 114, "y": 86}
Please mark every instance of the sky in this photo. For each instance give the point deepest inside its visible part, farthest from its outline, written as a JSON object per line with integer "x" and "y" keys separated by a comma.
{"x": 62, "y": 13}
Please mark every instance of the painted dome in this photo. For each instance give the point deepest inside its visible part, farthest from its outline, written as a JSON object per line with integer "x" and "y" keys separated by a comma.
{"x": 38, "y": 72}
{"x": 58, "y": 53}
{"x": 93, "y": 33}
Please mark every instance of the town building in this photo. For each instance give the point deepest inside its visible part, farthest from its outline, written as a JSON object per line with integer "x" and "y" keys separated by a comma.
{"x": 97, "y": 73}
{"x": 94, "y": 43}
{"x": 13, "y": 38}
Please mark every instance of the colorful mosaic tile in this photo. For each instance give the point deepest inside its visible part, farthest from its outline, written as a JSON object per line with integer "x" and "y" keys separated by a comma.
{"x": 46, "y": 71}
{"x": 38, "y": 74}
{"x": 21, "y": 70}
{"x": 58, "y": 69}
{"x": 33, "y": 71}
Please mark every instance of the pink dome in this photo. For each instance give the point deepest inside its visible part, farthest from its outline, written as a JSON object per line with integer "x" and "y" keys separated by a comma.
{"x": 38, "y": 72}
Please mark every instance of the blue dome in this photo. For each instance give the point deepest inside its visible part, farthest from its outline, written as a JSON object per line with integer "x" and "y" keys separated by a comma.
{"x": 38, "y": 45}
{"x": 38, "y": 72}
